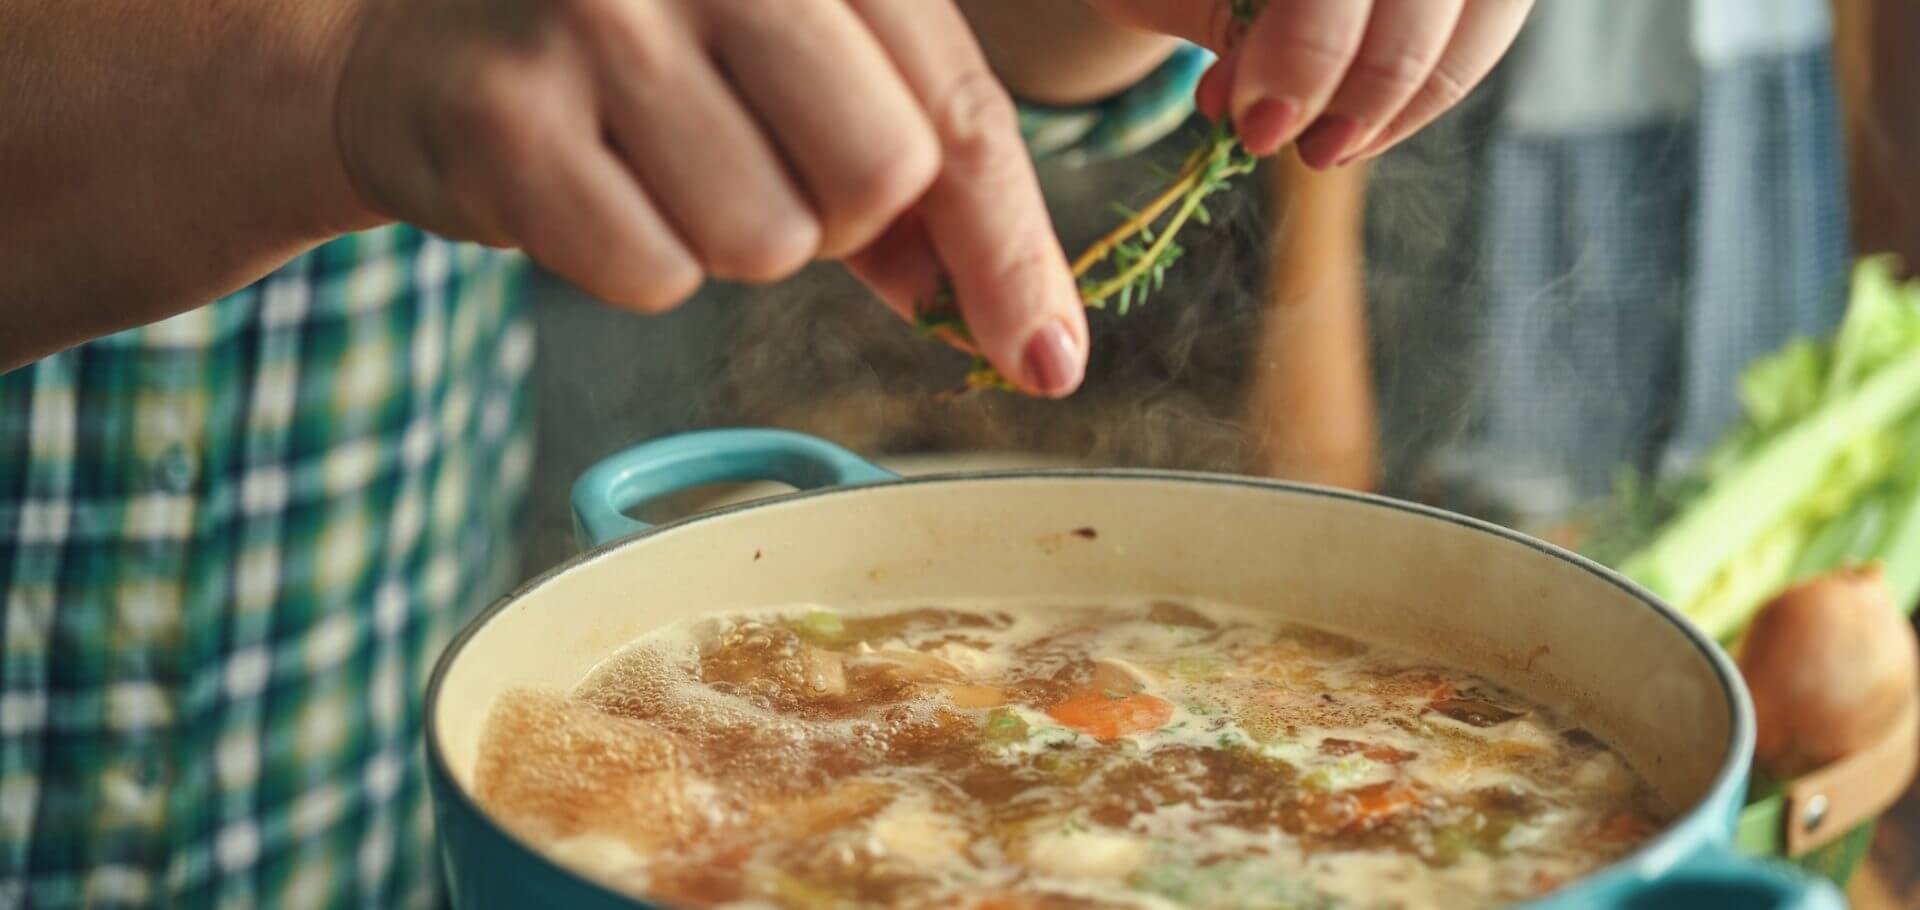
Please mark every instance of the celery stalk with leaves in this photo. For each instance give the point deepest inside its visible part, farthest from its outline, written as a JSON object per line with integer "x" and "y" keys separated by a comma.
{"x": 1823, "y": 471}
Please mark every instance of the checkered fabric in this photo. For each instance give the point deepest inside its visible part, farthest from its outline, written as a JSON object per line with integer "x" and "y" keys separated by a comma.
{"x": 233, "y": 543}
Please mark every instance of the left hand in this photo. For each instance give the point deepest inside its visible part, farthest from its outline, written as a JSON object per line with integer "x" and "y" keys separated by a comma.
{"x": 1345, "y": 79}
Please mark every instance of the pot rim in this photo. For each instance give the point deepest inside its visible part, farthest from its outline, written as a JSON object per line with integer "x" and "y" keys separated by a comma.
{"x": 1666, "y": 850}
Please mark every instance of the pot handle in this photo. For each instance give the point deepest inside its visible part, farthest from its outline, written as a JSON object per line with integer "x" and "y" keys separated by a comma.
{"x": 602, "y": 496}
{"x": 1720, "y": 878}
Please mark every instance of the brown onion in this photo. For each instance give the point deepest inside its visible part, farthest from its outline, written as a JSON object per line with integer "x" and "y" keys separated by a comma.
{"x": 1831, "y": 663}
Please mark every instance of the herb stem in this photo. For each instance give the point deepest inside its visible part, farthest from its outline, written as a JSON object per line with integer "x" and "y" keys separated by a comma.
{"x": 1148, "y": 214}
{"x": 1098, "y": 294}
{"x": 1138, "y": 270}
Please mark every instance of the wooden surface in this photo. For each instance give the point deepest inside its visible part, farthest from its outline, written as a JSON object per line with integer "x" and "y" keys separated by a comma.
{"x": 1879, "y": 124}
{"x": 1890, "y": 878}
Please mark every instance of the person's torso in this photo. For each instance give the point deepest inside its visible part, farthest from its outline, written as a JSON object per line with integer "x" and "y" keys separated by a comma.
{"x": 230, "y": 544}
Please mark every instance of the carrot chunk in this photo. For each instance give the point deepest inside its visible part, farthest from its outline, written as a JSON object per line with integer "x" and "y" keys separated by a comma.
{"x": 1106, "y": 718}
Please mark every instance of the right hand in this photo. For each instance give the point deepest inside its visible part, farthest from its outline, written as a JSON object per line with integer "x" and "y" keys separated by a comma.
{"x": 636, "y": 147}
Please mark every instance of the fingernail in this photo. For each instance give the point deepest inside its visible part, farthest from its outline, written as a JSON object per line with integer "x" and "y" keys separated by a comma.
{"x": 1267, "y": 125}
{"x": 1322, "y": 145}
{"x": 1053, "y": 361}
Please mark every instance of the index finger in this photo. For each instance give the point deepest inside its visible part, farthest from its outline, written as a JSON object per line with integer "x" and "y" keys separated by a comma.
{"x": 1291, "y": 61}
{"x": 985, "y": 214}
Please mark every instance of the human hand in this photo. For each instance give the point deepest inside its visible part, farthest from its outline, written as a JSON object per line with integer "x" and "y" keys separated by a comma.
{"x": 1345, "y": 79}
{"x": 637, "y": 147}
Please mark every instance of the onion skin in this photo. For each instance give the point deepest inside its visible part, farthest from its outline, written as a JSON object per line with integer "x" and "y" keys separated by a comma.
{"x": 1831, "y": 662}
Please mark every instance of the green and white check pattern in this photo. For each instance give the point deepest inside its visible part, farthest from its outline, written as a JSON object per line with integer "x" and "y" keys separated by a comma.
{"x": 231, "y": 546}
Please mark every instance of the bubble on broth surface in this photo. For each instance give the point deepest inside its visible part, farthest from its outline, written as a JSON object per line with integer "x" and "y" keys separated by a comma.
{"x": 744, "y": 703}
{"x": 554, "y": 768}
{"x": 845, "y": 759}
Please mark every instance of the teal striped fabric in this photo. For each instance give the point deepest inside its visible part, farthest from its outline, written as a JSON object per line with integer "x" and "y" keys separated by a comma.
{"x": 1124, "y": 124}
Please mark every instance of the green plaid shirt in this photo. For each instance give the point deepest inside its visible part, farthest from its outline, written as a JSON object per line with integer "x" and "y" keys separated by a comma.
{"x": 233, "y": 542}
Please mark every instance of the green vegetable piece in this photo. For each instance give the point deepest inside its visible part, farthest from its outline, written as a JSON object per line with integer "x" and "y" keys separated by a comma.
{"x": 1785, "y": 386}
{"x": 1345, "y": 774}
{"x": 794, "y": 892}
{"x": 1479, "y": 833}
{"x": 1250, "y": 884}
{"x": 1195, "y": 668}
{"x": 1005, "y": 727}
{"x": 820, "y": 627}
{"x": 1852, "y": 538}
{"x": 1811, "y": 445}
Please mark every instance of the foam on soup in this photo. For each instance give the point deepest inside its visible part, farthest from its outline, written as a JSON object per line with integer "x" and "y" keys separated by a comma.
{"x": 1023, "y": 757}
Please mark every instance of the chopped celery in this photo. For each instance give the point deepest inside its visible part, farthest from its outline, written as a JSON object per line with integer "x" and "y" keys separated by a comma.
{"x": 1005, "y": 727}
{"x": 1247, "y": 883}
{"x": 794, "y": 892}
{"x": 1478, "y": 833}
{"x": 820, "y": 627}
{"x": 1343, "y": 774}
{"x": 1195, "y": 668}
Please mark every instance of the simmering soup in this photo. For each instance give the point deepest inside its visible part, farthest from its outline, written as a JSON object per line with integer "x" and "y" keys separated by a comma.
{"x": 1141, "y": 755}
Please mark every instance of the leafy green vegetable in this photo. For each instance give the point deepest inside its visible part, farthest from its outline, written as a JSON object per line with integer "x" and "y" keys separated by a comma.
{"x": 1821, "y": 472}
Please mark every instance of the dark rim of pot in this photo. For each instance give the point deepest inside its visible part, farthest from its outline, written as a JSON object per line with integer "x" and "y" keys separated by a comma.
{"x": 1663, "y": 851}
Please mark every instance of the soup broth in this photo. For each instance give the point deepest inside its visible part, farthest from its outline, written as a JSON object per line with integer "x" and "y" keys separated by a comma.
{"x": 1017, "y": 758}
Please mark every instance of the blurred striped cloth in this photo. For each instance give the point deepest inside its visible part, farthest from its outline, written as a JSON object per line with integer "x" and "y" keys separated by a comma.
{"x": 1664, "y": 202}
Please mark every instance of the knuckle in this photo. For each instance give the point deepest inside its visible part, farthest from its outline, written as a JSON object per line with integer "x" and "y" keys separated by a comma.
{"x": 1399, "y": 70}
{"x": 975, "y": 120}
{"x": 768, "y": 251}
{"x": 897, "y": 179}
{"x": 489, "y": 115}
{"x": 1315, "y": 48}
{"x": 1444, "y": 88}
{"x": 637, "y": 44}
{"x": 880, "y": 189}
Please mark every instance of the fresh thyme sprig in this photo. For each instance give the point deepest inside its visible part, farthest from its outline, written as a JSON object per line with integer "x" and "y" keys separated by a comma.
{"x": 1139, "y": 252}
{"x": 1141, "y": 255}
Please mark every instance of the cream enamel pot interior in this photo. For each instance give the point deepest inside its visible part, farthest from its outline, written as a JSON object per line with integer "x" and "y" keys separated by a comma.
{"x": 1517, "y": 610}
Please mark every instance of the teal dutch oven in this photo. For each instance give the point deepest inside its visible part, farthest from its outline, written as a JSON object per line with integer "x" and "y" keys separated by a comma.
{"x": 1527, "y": 614}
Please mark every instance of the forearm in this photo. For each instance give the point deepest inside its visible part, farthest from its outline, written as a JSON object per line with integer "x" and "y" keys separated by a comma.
{"x": 156, "y": 156}
{"x": 1062, "y": 51}
{"x": 1312, "y": 398}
